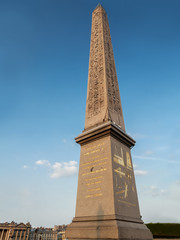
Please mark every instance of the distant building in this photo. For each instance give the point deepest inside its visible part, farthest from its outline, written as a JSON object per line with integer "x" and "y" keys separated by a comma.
{"x": 43, "y": 234}
{"x": 61, "y": 235}
{"x": 60, "y": 231}
{"x": 60, "y": 227}
{"x": 56, "y": 233}
{"x": 14, "y": 231}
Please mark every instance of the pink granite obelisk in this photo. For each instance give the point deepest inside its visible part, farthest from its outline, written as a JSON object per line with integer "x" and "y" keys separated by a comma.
{"x": 107, "y": 204}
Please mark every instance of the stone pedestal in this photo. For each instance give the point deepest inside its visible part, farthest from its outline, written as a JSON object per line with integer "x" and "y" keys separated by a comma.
{"x": 107, "y": 205}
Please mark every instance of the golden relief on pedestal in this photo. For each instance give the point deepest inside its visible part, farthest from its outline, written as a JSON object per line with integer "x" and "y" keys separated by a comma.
{"x": 123, "y": 175}
{"x": 128, "y": 160}
{"x": 118, "y": 159}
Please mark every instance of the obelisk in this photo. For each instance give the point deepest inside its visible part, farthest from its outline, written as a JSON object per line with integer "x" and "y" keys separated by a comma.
{"x": 107, "y": 204}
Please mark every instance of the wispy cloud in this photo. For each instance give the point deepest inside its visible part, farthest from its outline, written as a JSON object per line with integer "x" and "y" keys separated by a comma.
{"x": 140, "y": 172}
{"x": 25, "y": 167}
{"x": 160, "y": 204}
{"x": 58, "y": 169}
{"x": 148, "y": 153}
{"x": 144, "y": 157}
{"x": 67, "y": 142}
{"x": 138, "y": 136}
{"x": 134, "y": 165}
{"x": 147, "y": 157}
{"x": 155, "y": 191}
{"x": 43, "y": 162}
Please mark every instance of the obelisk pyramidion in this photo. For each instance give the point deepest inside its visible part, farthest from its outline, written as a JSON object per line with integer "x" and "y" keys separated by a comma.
{"x": 107, "y": 204}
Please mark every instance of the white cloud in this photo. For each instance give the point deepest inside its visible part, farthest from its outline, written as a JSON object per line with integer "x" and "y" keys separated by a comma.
{"x": 58, "y": 169}
{"x": 163, "y": 191}
{"x": 134, "y": 165}
{"x": 160, "y": 205}
{"x": 25, "y": 166}
{"x": 154, "y": 191}
{"x": 64, "y": 169}
{"x": 43, "y": 162}
{"x": 140, "y": 172}
{"x": 144, "y": 157}
{"x": 148, "y": 153}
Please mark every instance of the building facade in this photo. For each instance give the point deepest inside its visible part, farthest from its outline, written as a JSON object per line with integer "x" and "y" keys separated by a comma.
{"x": 60, "y": 231}
{"x": 43, "y": 234}
{"x": 14, "y": 231}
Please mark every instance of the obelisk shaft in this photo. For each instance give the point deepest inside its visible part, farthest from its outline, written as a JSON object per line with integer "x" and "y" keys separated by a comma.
{"x": 103, "y": 97}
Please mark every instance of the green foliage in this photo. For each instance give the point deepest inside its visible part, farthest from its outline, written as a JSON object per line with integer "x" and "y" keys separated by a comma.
{"x": 164, "y": 229}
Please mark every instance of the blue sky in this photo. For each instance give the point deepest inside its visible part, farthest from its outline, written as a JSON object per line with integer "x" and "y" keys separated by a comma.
{"x": 44, "y": 54}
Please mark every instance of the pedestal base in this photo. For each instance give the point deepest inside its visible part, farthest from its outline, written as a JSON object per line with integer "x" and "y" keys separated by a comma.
{"x": 108, "y": 229}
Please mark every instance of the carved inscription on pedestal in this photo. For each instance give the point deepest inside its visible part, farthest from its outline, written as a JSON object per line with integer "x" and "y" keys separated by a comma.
{"x": 93, "y": 168}
{"x": 95, "y": 173}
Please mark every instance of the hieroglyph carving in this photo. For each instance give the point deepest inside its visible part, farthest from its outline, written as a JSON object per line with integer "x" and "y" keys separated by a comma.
{"x": 114, "y": 103}
{"x": 103, "y": 98}
{"x": 96, "y": 69}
